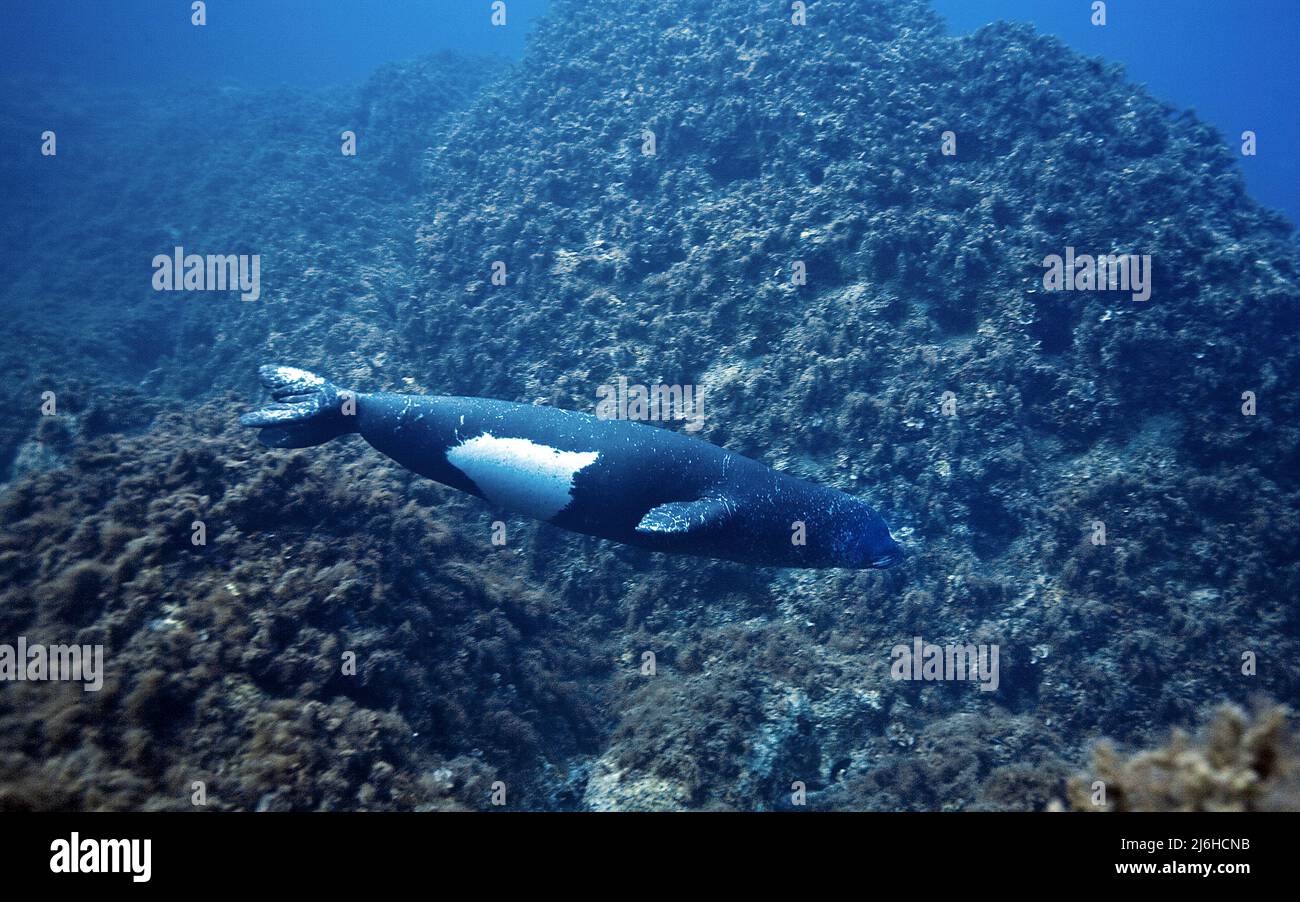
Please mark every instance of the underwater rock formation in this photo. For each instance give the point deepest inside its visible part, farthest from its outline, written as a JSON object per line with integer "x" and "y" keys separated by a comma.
{"x": 822, "y": 144}
{"x": 1241, "y": 763}
{"x": 226, "y": 661}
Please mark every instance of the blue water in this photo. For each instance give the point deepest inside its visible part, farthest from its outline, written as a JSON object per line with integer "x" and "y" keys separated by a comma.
{"x": 257, "y": 43}
{"x": 1235, "y": 65}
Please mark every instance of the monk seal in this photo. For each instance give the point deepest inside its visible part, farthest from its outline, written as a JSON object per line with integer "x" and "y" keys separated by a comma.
{"x": 615, "y": 479}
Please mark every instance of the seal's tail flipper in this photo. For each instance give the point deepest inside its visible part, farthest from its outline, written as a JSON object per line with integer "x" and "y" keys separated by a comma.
{"x": 307, "y": 411}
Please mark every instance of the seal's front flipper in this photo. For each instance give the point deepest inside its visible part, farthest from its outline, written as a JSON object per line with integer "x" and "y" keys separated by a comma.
{"x": 682, "y": 517}
{"x": 308, "y": 409}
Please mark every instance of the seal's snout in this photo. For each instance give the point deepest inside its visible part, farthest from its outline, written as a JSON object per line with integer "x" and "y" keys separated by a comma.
{"x": 890, "y": 558}
{"x": 886, "y": 551}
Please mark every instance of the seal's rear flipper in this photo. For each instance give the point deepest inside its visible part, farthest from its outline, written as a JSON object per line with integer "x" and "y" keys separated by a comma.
{"x": 308, "y": 409}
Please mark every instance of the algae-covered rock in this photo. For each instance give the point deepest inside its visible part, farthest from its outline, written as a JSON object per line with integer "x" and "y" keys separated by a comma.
{"x": 1238, "y": 762}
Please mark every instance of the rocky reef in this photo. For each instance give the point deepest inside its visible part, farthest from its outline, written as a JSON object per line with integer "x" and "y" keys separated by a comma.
{"x": 227, "y": 660}
{"x": 773, "y": 145}
{"x": 1242, "y": 762}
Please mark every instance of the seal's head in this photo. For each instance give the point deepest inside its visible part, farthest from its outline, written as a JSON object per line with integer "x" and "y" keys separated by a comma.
{"x": 864, "y": 539}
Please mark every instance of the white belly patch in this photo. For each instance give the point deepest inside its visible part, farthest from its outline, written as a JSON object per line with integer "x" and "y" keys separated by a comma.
{"x": 519, "y": 475}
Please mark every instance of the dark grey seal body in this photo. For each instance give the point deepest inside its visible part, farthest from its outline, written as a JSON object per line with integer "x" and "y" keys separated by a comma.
{"x": 615, "y": 479}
